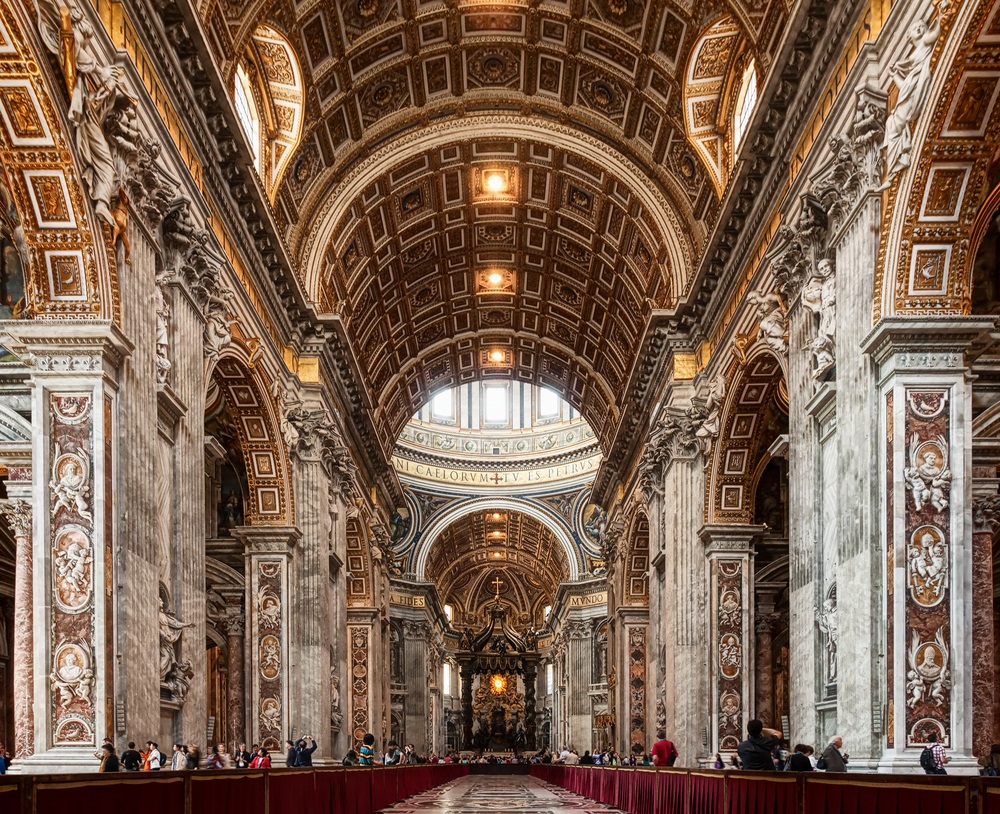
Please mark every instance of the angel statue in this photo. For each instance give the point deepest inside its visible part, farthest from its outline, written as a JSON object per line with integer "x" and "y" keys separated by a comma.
{"x": 928, "y": 476}
{"x": 97, "y": 100}
{"x": 773, "y": 322}
{"x": 912, "y": 75}
{"x": 170, "y": 632}
{"x": 70, "y": 482}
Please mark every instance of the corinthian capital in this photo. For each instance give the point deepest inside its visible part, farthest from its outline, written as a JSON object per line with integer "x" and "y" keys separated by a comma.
{"x": 18, "y": 516}
{"x": 673, "y": 436}
{"x": 986, "y": 513}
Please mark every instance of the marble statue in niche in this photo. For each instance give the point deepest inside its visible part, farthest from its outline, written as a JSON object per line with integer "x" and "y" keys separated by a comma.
{"x": 928, "y": 677}
{"x": 70, "y": 483}
{"x": 927, "y": 566}
{"x": 162, "y": 309}
{"x": 819, "y": 295}
{"x": 171, "y": 629}
{"x": 336, "y": 715}
{"x": 928, "y": 478}
{"x": 831, "y": 633}
{"x": 912, "y": 75}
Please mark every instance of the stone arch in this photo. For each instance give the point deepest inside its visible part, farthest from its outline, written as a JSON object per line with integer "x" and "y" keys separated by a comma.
{"x": 359, "y": 588}
{"x": 279, "y": 95}
{"x": 755, "y": 388}
{"x": 482, "y": 504}
{"x": 933, "y": 207}
{"x": 270, "y": 499}
{"x": 635, "y": 574}
{"x": 71, "y": 265}
{"x": 712, "y": 81}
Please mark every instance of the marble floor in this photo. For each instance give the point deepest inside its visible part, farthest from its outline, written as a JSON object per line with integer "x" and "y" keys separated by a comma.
{"x": 510, "y": 795}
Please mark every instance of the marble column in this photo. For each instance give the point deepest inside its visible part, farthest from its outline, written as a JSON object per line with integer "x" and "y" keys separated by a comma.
{"x": 985, "y": 520}
{"x": 366, "y": 671}
{"x": 530, "y": 722}
{"x": 763, "y": 677}
{"x": 235, "y": 626}
{"x": 730, "y": 624}
{"x": 74, "y": 368}
{"x": 18, "y": 515}
{"x": 926, "y": 423}
{"x": 579, "y": 660}
{"x": 416, "y": 707}
{"x": 268, "y": 553}
{"x": 467, "y": 678}
{"x": 682, "y": 625}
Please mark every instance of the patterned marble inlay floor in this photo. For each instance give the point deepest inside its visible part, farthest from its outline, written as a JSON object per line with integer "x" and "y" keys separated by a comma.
{"x": 510, "y": 795}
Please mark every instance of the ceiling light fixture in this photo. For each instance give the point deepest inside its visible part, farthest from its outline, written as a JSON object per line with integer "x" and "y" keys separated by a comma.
{"x": 497, "y": 555}
{"x": 497, "y": 515}
{"x": 495, "y": 278}
{"x": 495, "y": 182}
{"x": 496, "y": 356}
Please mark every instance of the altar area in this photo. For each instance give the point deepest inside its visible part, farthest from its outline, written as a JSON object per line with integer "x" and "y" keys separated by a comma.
{"x": 499, "y": 669}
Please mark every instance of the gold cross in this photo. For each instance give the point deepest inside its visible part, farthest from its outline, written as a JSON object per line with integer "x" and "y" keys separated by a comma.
{"x": 498, "y": 584}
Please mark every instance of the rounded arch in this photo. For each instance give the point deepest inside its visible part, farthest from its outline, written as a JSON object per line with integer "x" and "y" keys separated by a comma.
{"x": 257, "y": 426}
{"x": 947, "y": 178}
{"x": 71, "y": 264}
{"x": 756, "y": 389}
{"x": 712, "y": 88}
{"x": 271, "y": 73}
{"x": 482, "y": 504}
{"x": 359, "y": 588}
{"x": 635, "y": 574}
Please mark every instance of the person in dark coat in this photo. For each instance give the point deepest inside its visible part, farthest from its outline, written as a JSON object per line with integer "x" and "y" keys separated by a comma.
{"x": 757, "y": 750}
{"x": 303, "y": 754}
{"x": 109, "y": 760}
{"x": 290, "y": 754}
{"x": 799, "y": 761}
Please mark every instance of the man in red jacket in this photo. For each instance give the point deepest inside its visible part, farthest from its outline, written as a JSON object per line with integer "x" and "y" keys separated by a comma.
{"x": 664, "y": 752}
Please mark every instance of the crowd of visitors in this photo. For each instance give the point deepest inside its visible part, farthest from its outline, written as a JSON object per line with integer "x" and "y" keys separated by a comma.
{"x": 763, "y": 750}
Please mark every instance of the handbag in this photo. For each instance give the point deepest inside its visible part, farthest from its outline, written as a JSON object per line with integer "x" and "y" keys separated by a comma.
{"x": 821, "y": 763}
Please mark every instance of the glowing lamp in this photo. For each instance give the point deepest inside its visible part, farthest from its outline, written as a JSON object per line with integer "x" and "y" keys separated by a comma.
{"x": 497, "y": 356}
{"x": 495, "y": 182}
{"x": 495, "y": 278}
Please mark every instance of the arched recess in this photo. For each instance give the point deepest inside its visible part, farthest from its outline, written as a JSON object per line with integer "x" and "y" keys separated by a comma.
{"x": 635, "y": 575}
{"x": 71, "y": 265}
{"x": 756, "y": 409}
{"x": 933, "y": 205}
{"x": 270, "y": 72}
{"x": 712, "y": 91}
{"x": 359, "y": 587}
{"x": 457, "y": 511}
{"x": 269, "y": 487}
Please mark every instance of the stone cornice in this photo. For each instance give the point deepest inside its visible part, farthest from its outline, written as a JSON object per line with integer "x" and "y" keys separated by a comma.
{"x": 929, "y": 344}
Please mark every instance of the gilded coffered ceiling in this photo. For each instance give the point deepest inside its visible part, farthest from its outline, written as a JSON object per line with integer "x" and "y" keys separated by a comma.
{"x": 463, "y": 562}
{"x": 605, "y": 205}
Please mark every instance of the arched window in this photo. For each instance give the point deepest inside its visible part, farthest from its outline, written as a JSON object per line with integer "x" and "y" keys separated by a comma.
{"x": 745, "y": 104}
{"x": 246, "y": 109}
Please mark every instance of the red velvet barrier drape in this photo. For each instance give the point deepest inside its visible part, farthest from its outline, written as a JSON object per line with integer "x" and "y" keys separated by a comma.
{"x": 672, "y": 791}
{"x": 708, "y": 793}
{"x": 642, "y": 799}
{"x": 299, "y": 791}
{"x": 883, "y": 798}
{"x": 10, "y": 798}
{"x": 358, "y": 791}
{"x": 159, "y": 796}
{"x": 762, "y": 795}
{"x": 991, "y": 800}
{"x": 213, "y": 791}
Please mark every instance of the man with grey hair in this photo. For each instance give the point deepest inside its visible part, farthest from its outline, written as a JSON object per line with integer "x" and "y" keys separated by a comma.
{"x": 832, "y": 760}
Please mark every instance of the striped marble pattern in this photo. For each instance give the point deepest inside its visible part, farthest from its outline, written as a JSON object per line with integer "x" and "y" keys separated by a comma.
{"x": 511, "y": 795}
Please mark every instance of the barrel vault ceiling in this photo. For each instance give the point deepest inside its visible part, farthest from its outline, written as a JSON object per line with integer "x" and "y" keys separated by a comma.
{"x": 605, "y": 206}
